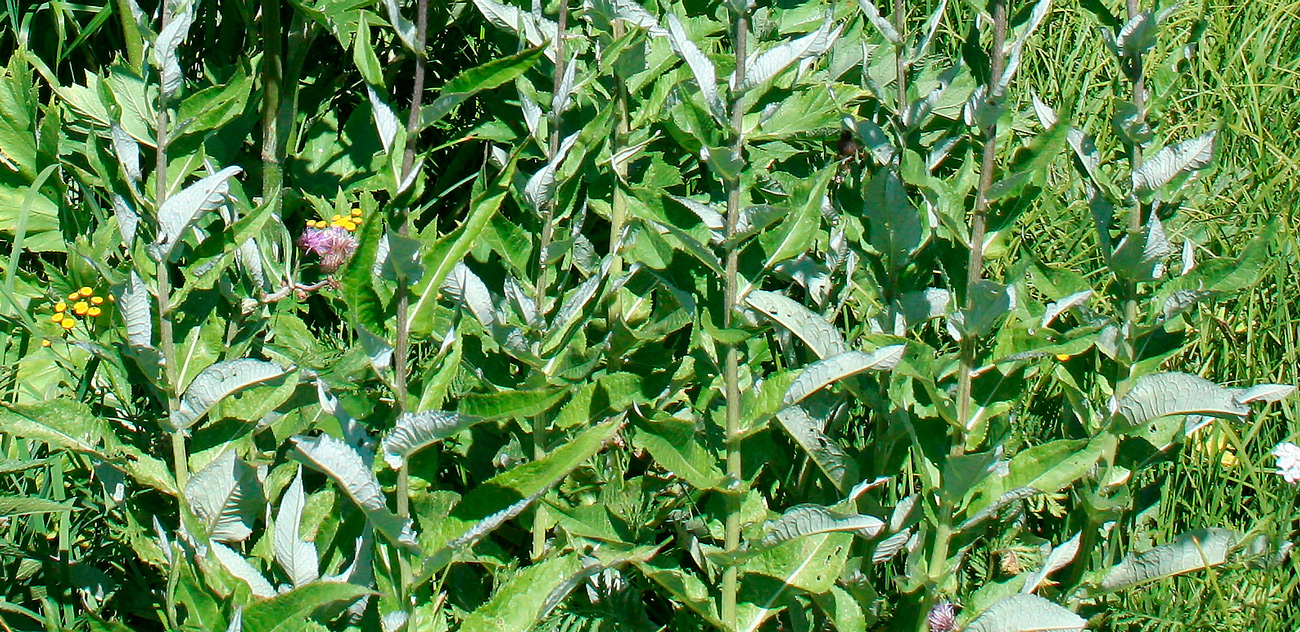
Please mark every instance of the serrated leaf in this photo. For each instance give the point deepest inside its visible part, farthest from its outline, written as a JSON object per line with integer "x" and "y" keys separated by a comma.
{"x": 416, "y": 431}
{"x": 796, "y": 234}
{"x": 62, "y": 423}
{"x": 820, "y": 374}
{"x": 226, "y": 496}
{"x": 770, "y": 63}
{"x": 520, "y": 603}
{"x": 506, "y": 495}
{"x": 673, "y": 445}
{"x": 811, "y": 564}
{"x": 349, "y": 470}
{"x": 216, "y": 383}
{"x": 291, "y": 609}
{"x": 809, "y": 519}
{"x": 510, "y": 404}
{"x": 296, "y": 556}
{"x": 488, "y": 76}
{"x": 236, "y": 565}
{"x": 1163, "y": 394}
{"x": 1191, "y": 551}
{"x": 181, "y": 210}
{"x": 1025, "y": 613}
{"x": 701, "y": 67}
{"x": 829, "y": 457}
{"x": 23, "y": 506}
{"x": 1174, "y": 161}
{"x": 820, "y": 336}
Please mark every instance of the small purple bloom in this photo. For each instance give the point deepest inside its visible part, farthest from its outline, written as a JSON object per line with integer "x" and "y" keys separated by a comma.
{"x": 942, "y": 617}
{"x": 334, "y": 246}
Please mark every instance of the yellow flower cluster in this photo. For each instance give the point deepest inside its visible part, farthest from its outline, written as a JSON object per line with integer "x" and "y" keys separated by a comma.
{"x": 346, "y": 222}
{"x": 83, "y": 303}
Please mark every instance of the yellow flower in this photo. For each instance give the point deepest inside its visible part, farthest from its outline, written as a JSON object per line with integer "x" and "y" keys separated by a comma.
{"x": 1228, "y": 460}
{"x": 336, "y": 218}
{"x": 80, "y": 308}
{"x": 60, "y": 306}
{"x": 85, "y": 291}
{"x": 356, "y": 212}
{"x": 349, "y": 226}
{"x": 112, "y": 299}
{"x": 68, "y": 323}
{"x": 96, "y": 300}
{"x": 74, "y": 296}
{"x": 56, "y": 317}
{"x": 94, "y": 311}
{"x": 1062, "y": 357}
{"x": 45, "y": 343}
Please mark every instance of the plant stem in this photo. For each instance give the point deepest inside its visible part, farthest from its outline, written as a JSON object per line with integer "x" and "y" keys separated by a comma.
{"x": 735, "y": 470}
{"x": 543, "y": 267}
{"x": 131, "y": 34}
{"x": 900, "y": 62}
{"x": 180, "y": 463}
{"x": 942, "y": 542}
{"x": 1134, "y": 217}
{"x": 975, "y": 265}
{"x": 272, "y": 77}
{"x": 618, "y": 207}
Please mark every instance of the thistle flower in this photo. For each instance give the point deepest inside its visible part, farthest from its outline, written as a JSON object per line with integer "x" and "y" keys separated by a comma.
{"x": 1288, "y": 461}
{"x": 334, "y": 245}
{"x": 942, "y": 617}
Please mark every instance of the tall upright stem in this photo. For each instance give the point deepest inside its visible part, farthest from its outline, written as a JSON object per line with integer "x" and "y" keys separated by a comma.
{"x": 618, "y": 208}
{"x": 272, "y": 78}
{"x": 1135, "y": 214}
{"x": 979, "y": 219}
{"x": 131, "y": 35}
{"x": 900, "y": 62}
{"x": 180, "y": 462}
{"x": 735, "y": 471}
{"x": 543, "y": 266}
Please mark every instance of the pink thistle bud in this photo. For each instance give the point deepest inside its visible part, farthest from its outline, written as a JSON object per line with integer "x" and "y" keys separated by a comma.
{"x": 333, "y": 245}
{"x": 942, "y": 617}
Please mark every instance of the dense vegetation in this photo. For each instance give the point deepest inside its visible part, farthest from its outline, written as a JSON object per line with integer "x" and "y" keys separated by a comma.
{"x": 700, "y": 315}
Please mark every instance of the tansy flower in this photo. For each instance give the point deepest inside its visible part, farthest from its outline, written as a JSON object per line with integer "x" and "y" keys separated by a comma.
{"x": 45, "y": 343}
{"x": 58, "y": 316}
{"x": 68, "y": 323}
{"x": 94, "y": 311}
{"x": 74, "y": 296}
{"x": 96, "y": 300}
{"x": 1288, "y": 461}
{"x": 80, "y": 308}
{"x": 85, "y": 291}
{"x": 334, "y": 246}
{"x": 60, "y": 306}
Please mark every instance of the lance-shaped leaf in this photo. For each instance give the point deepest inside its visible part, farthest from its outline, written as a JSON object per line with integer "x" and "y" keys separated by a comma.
{"x": 881, "y": 24}
{"x": 181, "y": 210}
{"x": 1064, "y": 305}
{"x": 1025, "y": 613}
{"x": 1191, "y": 551}
{"x": 136, "y": 307}
{"x": 404, "y": 28}
{"x": 1016, "y": 46}
{"x": 541, "y": 185}
{"x": 417, "y": 431}
{"x": 633, "y": 13}
{"x": 218, "y": 381}
{"x": 820, "y": 336}
{"x": 809, "y": 519}
{"x": 296, "y": 556}
{"x": 226, "y": 497}
{"x": 1174, "y": 161}
{"x": 466, "y": 288}
{"x": 385, "y": 121}
{"x": 829, "y": 457}
{"x": 822, "y": 373}
{"x": 1142, "y": 259}
{"x": 519, "y": 604}
{"x": 809, "y": 564}
{"x": 567, "y": 319}
{"x": 290, "y": 610}
{"x": 128, "y": 220}
{"x": 62, "y": 423}
{"x": 1163, "y": 394}
{"x": 537, "y": 31}
{"x": 236, "y": 565}
{"x": 700, "y": 65}
{"x": 770, "y": 63}
{"x": 797, "y": 232}
{"x": 488, "y": 76}
{"x": 506, "y": 495}
{"x": 127, "y": 152}
{"x": 22, "y": 506}
{"x": 349, "y": 470}
{"x": 1056, "y": 560}
{"x": 1263, "y": 393}
{"x": 164, "y": 51}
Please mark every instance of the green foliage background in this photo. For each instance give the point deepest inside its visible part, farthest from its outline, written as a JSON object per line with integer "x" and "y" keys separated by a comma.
{"x": 627, "y": 345}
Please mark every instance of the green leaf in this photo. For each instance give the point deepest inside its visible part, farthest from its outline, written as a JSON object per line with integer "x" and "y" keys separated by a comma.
{"x": 809, "y": 519}
{"x": 506, "y": 495}
{"x": 823, "y": 373}
{"x": 62, "y": 423}
{"x": 363, "y": 54}
{"x": 357, "y": 281}
{"x": 510, "y": 404}
{"x": 491, "y": 75}
{"x": 283, "y": 612}
{"x": 811, "y": 564}
{"x": 295, "y": 555}
{"x": 416, "y": 431}
{"x": 1025, "y": 613}
{"x": 1163, "y": 394}
{"x": 838, "y": 467}
{"x": 795, "y": 235}
{"x": 1190, "y": 551}
{"x": 180, "y": 211}
{"x": 23, "y": 506}
{"x": 520, "y": 603}
{"x": 216, "y": 383}
{"x": 674, "y": 444}
{"x": 820, "y": 336}
{"x": 684, "y": 587}
{"x": 226, "y": 497}
{"x": 350, "y": 470}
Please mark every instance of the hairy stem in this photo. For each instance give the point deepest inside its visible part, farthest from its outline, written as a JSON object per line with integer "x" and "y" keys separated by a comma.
{"x": 618, "y": 207}
{"x": 272, "y": 77}
{"x": 735, "y": 471}
{"x": 131, "y": 34}
{"x": 1134, "y": 217}
{"x": 900, "y": 62}
{"x": 938, "y": 570}
{"x": 543, "y": 265}
{"x": 180, "y": 463}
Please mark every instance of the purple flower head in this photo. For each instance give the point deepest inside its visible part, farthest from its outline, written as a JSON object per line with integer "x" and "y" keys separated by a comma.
{"x": 334, "y": 246}
{"x": 942, "y": 617}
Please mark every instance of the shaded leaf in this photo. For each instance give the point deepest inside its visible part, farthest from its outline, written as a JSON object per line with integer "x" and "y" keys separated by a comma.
{"x": 218, "y": 381}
